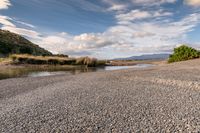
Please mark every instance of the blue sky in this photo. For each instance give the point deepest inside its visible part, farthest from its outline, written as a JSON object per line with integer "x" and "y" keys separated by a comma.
{"x": 104, "y": 28}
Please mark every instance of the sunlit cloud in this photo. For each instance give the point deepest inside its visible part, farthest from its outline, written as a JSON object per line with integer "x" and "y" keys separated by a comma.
{"x": 22, "y": 31}
{"x": 139, "y": 14}
{"x": 193, "y": 2}
{"x": 4, "y": 4}
{"x": 5, "y": 20}
{"x": 152, "y": 2}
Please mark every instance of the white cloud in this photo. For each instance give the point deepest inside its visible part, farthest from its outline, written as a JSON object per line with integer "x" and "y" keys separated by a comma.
{"x": 116, "y": 5}
{"x": 22, "y": 31}
{"x": 66, "y": 43}
{"x": 193, "y": 2}
{"x": 138, "y": 14}
{"x": 25, "y": 24}
{"x": 4, "y": 4}
{"x": 86, "y": 37}
{"x": 142, "y": 34}
{"x": 150, "y": 36}
{"x": 55, "y": 44}
{"x": 119, "y": 6}
{"x": 4, "y": 20}
{"x": 135, "y": 38}
{"x": 152, "y": 2}
{"x": 134, "y": 14}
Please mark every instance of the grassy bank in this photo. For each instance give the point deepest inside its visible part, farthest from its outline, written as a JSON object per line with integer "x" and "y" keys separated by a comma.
{"x": 55, "y": 60}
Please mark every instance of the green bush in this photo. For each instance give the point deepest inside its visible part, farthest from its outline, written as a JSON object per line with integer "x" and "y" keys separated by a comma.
{"x": 183, "y": 53}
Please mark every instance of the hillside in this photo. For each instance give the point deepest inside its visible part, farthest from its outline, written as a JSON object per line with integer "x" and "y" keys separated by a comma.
{"x": 146, "y": 57}
{"x": 11, "y": 43}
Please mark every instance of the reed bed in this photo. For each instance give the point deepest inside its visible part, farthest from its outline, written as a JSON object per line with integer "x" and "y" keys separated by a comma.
{"x": 55, "y": 60}
{"x": 39, "y": 60}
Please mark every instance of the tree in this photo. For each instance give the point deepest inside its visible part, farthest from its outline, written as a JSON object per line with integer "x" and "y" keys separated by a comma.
{"x": 183, "y": 53}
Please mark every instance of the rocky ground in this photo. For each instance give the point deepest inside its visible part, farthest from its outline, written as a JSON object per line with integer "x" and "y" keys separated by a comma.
{"x": 159, "y": 99}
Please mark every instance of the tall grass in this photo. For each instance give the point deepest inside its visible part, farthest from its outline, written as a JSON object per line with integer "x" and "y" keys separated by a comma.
{"x": 51, "y": 60}
{"x": 90, "y": 62}
{"x": 55, "y": 60}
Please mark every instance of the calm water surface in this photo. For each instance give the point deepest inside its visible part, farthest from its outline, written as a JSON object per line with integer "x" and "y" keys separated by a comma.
{"x": 138, "y": 66}
{"x": 38, "y": 72}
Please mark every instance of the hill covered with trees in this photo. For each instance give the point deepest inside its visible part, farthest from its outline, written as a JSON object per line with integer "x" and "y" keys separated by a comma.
{"x": 11, "y": 43}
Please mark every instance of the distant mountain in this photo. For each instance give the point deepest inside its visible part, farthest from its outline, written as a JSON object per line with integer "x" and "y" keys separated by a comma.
{"x": 11, "y": 43}
{"x": 146, "y": 57}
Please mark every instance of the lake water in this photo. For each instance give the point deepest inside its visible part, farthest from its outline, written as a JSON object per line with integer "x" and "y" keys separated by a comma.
{"x": 41, "y": 72}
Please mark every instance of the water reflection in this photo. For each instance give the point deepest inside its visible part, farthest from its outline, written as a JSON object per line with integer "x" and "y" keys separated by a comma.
{"x": 138, "y": 66}
{"x": 49, "y": 71}
{"x": 38, "y": 71}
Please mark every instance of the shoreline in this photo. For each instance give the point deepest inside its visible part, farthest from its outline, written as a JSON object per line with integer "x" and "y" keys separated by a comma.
{"x": 115, "y": 63}
{"x": 27, "y": 70}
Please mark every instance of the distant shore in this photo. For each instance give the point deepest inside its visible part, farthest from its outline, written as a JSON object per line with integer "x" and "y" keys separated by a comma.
{"x": 135, "y": 62}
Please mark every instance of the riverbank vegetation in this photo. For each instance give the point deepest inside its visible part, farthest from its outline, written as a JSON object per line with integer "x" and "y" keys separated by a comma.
{"x": 184, "y": 53}
{"x": 55, "y": 60}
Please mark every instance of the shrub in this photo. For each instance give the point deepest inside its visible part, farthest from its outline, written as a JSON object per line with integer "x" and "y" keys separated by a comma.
{"x": 183, "y": 53}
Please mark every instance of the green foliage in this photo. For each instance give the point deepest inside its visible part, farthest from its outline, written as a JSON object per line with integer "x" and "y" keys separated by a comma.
{"x": 183, "y": 53}
{"x": 11, "y": 43}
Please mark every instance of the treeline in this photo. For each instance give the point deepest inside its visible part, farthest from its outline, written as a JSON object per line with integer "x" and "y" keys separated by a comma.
{"x": 55, "y": 60}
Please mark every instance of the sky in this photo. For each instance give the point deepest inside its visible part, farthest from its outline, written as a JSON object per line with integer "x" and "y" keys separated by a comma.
{"x": 104, "y": 29}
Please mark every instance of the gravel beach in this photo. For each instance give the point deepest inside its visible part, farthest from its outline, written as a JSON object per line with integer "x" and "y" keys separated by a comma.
{"x": 159, "y": 99}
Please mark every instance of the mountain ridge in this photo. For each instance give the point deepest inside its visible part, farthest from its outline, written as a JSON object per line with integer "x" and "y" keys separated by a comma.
{"x": 146, "y": 57}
